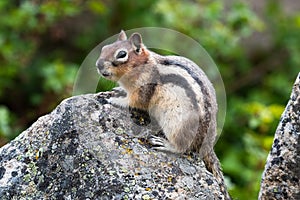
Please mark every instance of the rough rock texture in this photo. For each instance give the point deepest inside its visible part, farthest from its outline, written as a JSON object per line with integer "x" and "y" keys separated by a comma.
{"x": 86, "y": 149}
{"x": 281, "y": 178}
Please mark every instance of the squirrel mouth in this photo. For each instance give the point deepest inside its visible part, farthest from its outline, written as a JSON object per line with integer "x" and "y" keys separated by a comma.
{"x": 105, "y": 74}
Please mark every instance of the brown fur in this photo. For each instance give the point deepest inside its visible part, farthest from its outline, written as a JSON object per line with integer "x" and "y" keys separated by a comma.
{"x": 187, "y": 115}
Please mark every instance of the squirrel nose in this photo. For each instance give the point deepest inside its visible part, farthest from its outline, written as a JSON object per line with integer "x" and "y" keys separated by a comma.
{"x": 100, "y": 64}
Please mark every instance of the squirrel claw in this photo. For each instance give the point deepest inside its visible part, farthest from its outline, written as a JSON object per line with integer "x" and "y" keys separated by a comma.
{"x": 154, "y": 140}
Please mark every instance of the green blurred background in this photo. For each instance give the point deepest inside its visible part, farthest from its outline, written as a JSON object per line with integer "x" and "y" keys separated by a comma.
{"x": 255, "y": 44}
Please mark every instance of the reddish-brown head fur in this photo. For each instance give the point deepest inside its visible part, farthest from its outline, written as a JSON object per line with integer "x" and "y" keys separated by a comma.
{"x": 120, "y": 58}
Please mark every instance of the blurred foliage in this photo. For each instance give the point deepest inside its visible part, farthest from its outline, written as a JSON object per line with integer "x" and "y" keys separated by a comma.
{"x": 42, "y": 44}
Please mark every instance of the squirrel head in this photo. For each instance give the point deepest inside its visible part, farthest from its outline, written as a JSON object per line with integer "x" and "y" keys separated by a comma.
{"x": 122, "y": 56}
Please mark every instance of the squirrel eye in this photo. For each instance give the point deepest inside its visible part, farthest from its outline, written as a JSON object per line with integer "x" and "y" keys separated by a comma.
{"x": 121, "y": 54}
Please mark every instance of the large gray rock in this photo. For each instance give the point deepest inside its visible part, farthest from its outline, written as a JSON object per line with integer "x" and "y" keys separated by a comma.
{"x": 87, "y": 149}
{"x": 281, "y": 178}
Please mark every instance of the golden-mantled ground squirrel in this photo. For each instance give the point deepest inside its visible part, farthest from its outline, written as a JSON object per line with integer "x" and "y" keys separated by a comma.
{"x": 173, "y": 90}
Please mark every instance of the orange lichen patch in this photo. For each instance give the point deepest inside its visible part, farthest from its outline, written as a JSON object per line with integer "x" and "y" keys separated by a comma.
{"x": 129, "y": 150}
{"x": 141, "y": 141}
{"x": 170, "y": 178}
{"x": 37, "y": 154}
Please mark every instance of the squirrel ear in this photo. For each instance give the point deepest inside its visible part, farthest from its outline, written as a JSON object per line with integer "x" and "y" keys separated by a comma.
{"x": 122, "y": 36}
{"x": 136, "y": 40}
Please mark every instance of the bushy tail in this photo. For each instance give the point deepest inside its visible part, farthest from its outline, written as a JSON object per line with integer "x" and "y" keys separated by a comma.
{"x": 213, "y": 165}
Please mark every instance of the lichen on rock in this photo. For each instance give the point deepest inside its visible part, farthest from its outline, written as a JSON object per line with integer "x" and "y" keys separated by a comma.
{"x": 281, "y": 177}
{"x": 89, "y": 149}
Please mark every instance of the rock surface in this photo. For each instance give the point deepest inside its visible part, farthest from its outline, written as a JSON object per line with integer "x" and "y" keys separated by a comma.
{"x": 281, "y": 178}
{"x": 88, "y": 149}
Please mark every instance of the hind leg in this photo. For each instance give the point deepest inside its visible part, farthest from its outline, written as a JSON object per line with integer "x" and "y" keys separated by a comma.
{"x": 179, "y": 137}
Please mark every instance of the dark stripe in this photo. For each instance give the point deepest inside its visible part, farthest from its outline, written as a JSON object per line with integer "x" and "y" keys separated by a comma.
{"x": 190, "y": 72}
{"x": 147, "y": 91}
{"x": 181, "y": 82}
{"x": 204, "y": 90}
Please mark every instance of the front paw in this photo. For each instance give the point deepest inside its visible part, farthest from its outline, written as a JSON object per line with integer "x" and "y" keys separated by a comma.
{"x": 118, "y": 101}
{"x": 119, "y": 92}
